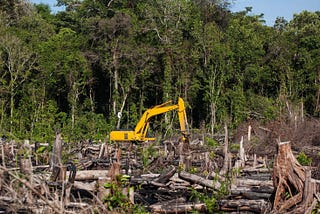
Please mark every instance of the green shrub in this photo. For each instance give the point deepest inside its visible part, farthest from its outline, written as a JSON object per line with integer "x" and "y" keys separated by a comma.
{"x": 303, "y": 159}
{"x": 212, "y": 142}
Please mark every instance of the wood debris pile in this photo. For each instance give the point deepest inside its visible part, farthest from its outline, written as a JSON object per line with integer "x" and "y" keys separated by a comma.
{"x": 201, "y": 179}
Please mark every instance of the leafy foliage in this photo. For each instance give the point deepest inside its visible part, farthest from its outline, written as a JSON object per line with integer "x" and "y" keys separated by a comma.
{"x": 116, "y": 199}
{"x": 303, "y": 159}
{"x": 75, "y": 70}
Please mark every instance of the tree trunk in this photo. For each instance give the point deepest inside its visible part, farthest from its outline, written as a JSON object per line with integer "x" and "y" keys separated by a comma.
{"x": 116, "y": 77}
{"x": 225, "y": 167}
{"x": 288, "y": 179}
{"x": 11, "y": 108}
{"x": 74, "y": 93}
{"x": 58, "y": 173}
{"x": 121, "y": 109}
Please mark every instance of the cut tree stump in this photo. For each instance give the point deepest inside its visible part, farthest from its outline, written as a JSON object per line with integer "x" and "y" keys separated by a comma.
{"x": 115, "y": 167}
{"x": 225, "y": 167}
{"x": 58, "y": 171}
{"x": 293, "y": 189}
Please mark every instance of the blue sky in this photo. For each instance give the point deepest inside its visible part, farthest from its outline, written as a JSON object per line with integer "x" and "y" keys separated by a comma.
{"x": 51, "y": 3}
{"x": 276, "y": 8}
{"x": 270, "y": 8}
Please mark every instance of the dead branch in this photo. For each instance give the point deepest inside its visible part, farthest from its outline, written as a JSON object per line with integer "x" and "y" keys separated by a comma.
{"x": 29, "y": 186}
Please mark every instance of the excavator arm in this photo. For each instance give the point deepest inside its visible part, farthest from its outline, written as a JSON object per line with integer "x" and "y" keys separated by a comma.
{"x": 141, "y": 129}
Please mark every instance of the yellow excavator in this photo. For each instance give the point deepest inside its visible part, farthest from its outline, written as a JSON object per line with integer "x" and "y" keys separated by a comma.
{"x": 139, "y": 134}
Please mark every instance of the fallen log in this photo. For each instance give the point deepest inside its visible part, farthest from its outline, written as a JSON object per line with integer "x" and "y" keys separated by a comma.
{"x": 178, "y": 183}
{"x": 143, "y": 179}
{"x": 250, "y": 194}
{"x": 255, "y": 170}
{"x": 149, "y": 176}
{"x": 157, "y": 184}
{"x": 87, "y": 186}
{"x": 178, "y": 208}
{"x": 254, "y": 192}
{"x": 178, "y": 205}
{"x": 259, "y": 176}
{"x": 216, "y": 175}
{"x": 259, "y": 206}
{"x": 87, "y": 175}
{"x": 76, "y": 205}
{"x": 164, "y": 178}
{"x": 176, "y": 180}
{"x": 178, "y": 187}
{"x": 258, "y": 189}
{"x": 200, "y": 180}
{"x": 252, "y": 182}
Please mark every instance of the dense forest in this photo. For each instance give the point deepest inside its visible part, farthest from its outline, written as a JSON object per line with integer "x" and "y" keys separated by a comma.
{"x": 77, "y": 70}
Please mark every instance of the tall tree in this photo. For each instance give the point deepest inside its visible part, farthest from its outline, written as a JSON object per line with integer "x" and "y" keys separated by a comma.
{"x": 245, "y": 35}
{"x": 215, "y": 55}
{"x": 14, "y": 10}
{"x": 65, "y": 71}
{"x": 18, "y": 62}
{"x": 304, "y": 30}
{"x": 165, "y": 23}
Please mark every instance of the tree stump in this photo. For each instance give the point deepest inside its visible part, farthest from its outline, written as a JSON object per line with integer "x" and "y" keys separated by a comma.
{"x": 225, "y": 167}
{"x": 58, "y": 170}
{"x": 288, "y": 179}
{"x": 115, "y": 167}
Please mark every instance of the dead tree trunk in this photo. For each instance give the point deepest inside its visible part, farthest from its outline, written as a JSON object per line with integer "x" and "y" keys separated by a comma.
{"x": 115, "y": 167}
{"x": 288, "y": 179}
{"x": 225, "y": 167}
{"x": 58, "y": 173}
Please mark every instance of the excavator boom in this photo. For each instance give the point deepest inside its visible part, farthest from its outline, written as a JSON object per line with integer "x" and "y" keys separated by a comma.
{"x": 141, "y": 129}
